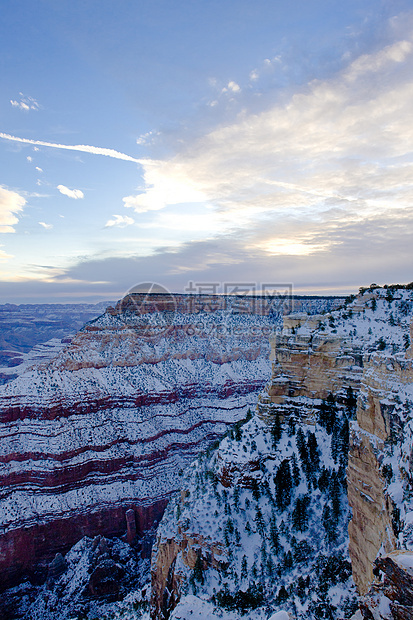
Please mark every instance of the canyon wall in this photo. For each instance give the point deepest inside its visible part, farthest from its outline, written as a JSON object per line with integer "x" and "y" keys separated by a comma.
{"x": 359, "y": 358}
{"x": 111, "y": 422}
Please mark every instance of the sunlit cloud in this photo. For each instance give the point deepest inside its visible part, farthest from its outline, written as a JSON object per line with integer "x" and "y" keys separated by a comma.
{"x": 11, "y": 203}
{"x": 164, "y": 187}
{"x": 292, "y": 247}
{"x": 120, "y": 221}
{"x": 338, "y": 152}
{"x": 4, "y": 257}
{"x": 71, "y": 193}
{"x": 83, "y": 148}
{"x": 39, "y": 169}
{"x": 46, "y": 226}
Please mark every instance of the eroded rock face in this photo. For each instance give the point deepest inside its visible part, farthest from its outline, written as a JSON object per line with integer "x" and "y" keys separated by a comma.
{"x": 391, "y": 595}
{"x": 378, "y": 427}
{"x": 363, "y": 348}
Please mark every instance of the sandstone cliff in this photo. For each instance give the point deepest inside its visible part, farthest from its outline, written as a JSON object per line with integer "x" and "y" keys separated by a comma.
{"x": 319, "y": 363}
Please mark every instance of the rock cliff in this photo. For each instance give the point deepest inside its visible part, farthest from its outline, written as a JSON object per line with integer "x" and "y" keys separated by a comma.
{"x": 350, "y": 362}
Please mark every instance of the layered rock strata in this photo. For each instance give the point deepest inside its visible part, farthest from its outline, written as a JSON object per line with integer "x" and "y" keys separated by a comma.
{"x": 362, "y": 350}
{"x": 111, "y": 422}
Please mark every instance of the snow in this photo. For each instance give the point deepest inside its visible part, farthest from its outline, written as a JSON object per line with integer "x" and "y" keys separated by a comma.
{"x": 280, "y": 615}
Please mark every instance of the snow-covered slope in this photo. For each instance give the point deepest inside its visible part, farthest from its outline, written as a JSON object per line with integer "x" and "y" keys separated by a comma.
{"x": 248, "y": 532}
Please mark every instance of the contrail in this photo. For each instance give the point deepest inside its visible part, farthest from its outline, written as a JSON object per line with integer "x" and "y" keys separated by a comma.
{"x": 95, "y": 150}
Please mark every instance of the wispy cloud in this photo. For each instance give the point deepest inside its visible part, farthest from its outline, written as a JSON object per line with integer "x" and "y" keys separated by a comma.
{"x": 10, "y": 204}
{"x": 46, "y": 226}
{"x": 83, "y": 148}
{"x": 147, "y": 138}
{"x": 71, "y": 193}
{"x": 4, "y": 257}
{"x": 121, "y": 221}
{"x": 338, "y": 152}
{"x": 25, "y": 103}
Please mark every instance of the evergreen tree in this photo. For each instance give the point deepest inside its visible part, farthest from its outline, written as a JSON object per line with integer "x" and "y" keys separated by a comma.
{"x": 302, "y": 449}
{"x": 274, "y": 537}
{"x": 288, "y": 560}
{"x": 256, "y": 494}
{"x": 344, "y": 443}
{"x": 351, "y": 402}
{"x": 236, "y": 498}
{"x": 313, "y": 452}
{"x": 282, "y": 596}
{"x": 335, "y": 491}
{"x": 283, "y": 485}
{"x": 300, "y": 513}
{"x": 199, "y": 570}
{"x": 295, "y": 471}
{"x": 259, "y": 520}
{"x": 328, "y": 413}
{"x": 324, "y": 480}
{"x": 244, "y": 568}
{"x": 276, "y": 431}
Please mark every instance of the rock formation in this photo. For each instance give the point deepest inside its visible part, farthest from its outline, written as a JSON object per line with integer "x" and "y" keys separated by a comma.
{"x": 360, "y": 352}
{"x": 111, "y": 422}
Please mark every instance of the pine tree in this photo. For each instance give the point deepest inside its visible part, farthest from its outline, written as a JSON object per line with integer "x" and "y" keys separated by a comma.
{"x": 328, "y": 413}
{"x": 276, "y": 431}
{"x": 244, "y": 568}
{"x": 351, "y": 402}
{"x": 295, "y": 471}
{"x": 236, "y": 498}
{"x": 300, "y": 513}
{"x": 291, "y": 426}
{"x": 256, "y": 494}
{"x": 313, "y": 452}
{"x": 302, "y": 449}
{"x": 274, "y": 537}
{"x": 283, "y": 485}
{"x": 259, "y": 520}
{"x": 199, "y": 570}
{"x": 335, "y": 491}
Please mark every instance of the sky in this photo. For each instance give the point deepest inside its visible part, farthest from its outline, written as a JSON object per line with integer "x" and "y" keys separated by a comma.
{"x": 204, "y": 145}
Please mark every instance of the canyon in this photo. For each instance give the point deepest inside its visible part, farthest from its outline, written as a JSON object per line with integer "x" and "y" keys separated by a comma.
{"x": 283, "y": 491}
{"x": 355, "y": 362}
{"x": 111, "y": 421}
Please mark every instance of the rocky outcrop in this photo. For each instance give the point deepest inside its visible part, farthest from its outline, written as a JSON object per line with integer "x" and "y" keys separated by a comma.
{"x": 361, "y": 351}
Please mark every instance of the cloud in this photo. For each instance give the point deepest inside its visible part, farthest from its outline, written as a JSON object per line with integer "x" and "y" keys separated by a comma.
{"x": 39, "y": 169}
{"x": 83, "y": 148}
{"x": 4, "y": 257}
{"x": 120, "y": 221}
{"x": 25, "y": 103}
{"x": 343, "y": 142}
{"x": 234, "y": 87}
{"x": 164, "y": 187}
{"x": 46, "y": 226}
{"x": 71, "y": 193}
{"x": 147, "y": 138}
{"x": 10, "y": 204}
{"x": 29, "y": 158}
